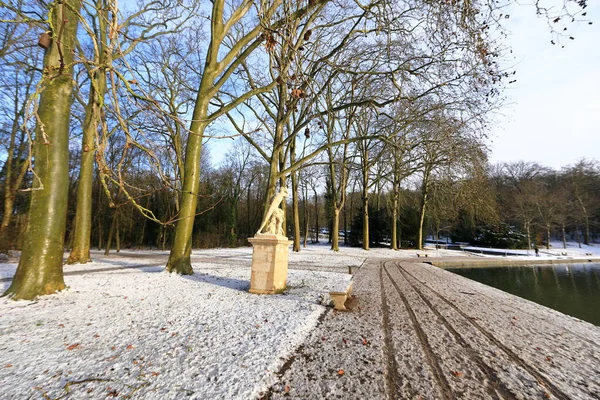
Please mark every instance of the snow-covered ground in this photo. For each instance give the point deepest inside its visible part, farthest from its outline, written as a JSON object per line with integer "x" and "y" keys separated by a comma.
{"x": 556, "y": 251}
{"x": 140, "y": 331}
{"x": 124, "y": 327}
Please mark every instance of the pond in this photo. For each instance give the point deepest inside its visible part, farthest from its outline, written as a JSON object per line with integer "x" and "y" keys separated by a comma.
{"x": 572, "y": 289}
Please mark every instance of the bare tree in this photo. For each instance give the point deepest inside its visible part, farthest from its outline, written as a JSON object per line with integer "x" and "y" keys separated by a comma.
{"x": 40, "y": 267}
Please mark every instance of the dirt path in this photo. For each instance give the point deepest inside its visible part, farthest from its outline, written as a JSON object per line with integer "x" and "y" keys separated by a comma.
{"x": 421, "y": 332}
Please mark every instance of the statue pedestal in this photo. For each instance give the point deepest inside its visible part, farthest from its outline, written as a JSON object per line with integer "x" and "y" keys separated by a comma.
{"x": 269, "y": 263}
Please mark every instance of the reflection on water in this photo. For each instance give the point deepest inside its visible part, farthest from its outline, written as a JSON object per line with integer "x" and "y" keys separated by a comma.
{"x": 572, "y": 289}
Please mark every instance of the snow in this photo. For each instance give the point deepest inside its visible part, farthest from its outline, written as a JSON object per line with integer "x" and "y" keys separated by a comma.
{"x": 555, "y": 252}
{"x": 124, "y": 327}
{"x": 143, "y": 332}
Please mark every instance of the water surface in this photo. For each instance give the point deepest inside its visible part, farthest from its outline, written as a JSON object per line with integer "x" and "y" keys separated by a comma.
{"x": 572, "y": 289}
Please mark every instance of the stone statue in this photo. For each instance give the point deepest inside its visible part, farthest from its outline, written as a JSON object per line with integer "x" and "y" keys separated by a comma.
{"x": 274, "y": 218}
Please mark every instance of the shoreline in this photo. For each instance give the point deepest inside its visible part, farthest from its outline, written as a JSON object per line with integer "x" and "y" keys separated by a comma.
{"x": 467, "y": 262}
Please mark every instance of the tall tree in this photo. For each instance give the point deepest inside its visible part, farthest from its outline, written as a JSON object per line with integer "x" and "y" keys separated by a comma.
{"x": 220, "y": 63}
{"x": 40, "y": 267}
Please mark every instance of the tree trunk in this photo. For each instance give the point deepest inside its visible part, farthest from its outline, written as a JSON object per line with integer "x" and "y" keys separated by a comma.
{"x": 140, "y": 242}
{"x": 163, "y": 244}
{"x": 366, "y": 222}
{"x": 80, "y": 253}
{"x": 528, "y": 232}
{"x": 40, "y": 269}
{"x": 232, "y": 224}
{"x": 296, "y": 211}
{"x": 248, "y": 220}
{"x": 345, "y": 224}
{"x": 586, "y": 236}
{"x": 100, "y": 233}
{"x": 394, "y": 222}
{"x": 118, "y": 234}
{"x": 305, "y": 212}
{"x": 181, "y": 250}
{"x": 424, "y": 199}
{"x": 421, "y": 222}
{"x": 316, "y": 217}
{"x": 5, "y": 241}
{"x": 548, "y": 236}
{"x": 111, "y": 233}
{"x": 564, "y": 237}
{"x": 11, "y": 185}
{"x": 335, "y": 237}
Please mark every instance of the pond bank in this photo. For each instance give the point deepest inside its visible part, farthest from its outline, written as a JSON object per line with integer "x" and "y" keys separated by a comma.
{"x": 471, "y": 262}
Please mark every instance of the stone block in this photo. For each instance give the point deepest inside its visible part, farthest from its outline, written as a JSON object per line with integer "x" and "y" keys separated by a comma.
{"x": 269, "y": 263}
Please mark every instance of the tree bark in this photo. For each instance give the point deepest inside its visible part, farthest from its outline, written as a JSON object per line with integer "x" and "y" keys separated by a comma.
{"x": 80, "y": 253}
{"x": 395, "y": 219}
{"x": 316, "y": 216}
{"x": 335, "y": 237}
{"x": 424, "y": 199}
{"x": 296, "y": 211}
{"x": 366, "y": 244}
{"x": 111, "y": 233}
{"x": 12, "y": 183}
{"x": 422, "y": 220}
{"x": 40, "y": 269}
{"x": 181, "y": 250}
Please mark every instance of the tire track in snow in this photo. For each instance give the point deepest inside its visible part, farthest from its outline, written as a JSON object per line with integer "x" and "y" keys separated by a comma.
{"x": 494, "y": 385}
{"x": 540, "y": 378}
{"x": 443, "y": 385}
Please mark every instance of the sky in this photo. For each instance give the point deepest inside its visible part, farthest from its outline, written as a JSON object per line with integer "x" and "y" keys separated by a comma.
{"x": 554, "y": 113}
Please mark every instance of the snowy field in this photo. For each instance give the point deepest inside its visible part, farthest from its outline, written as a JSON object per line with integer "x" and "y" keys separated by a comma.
{"x": 125, "y": 328}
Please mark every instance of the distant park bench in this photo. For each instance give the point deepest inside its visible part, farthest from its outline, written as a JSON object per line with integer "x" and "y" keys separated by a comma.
{"x": 339, "y": 298}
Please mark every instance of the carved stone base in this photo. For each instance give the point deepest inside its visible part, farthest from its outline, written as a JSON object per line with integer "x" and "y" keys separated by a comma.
{"x": 269, "y": 263}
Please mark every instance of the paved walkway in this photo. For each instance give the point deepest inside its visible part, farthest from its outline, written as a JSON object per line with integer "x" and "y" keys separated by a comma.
{"x": 419, "y": 332}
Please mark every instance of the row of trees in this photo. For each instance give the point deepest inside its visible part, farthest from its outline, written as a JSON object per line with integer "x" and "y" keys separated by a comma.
{"x": 113, "y": 107}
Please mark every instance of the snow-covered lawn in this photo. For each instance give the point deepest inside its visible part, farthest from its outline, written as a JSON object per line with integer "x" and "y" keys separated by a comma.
{"x": 143, "y": 332}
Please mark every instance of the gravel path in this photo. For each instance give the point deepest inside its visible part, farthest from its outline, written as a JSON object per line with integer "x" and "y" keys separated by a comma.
{"x": 421, "y": 332}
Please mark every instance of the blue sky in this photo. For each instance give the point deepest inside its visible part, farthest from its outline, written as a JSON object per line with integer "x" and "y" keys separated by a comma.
{"x": 554, "y": 112}
{"x": 552, "y": 115}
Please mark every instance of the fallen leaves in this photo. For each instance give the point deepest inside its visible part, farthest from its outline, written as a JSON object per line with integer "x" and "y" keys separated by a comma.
{"x": 287, "y": 389}
{"x": 457, "y": 374}
{"x": 74, "y": 346}
{"x": 129, "y": 347}
{"x": 8, "y": 366}
{"x": 341, "y": 372}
